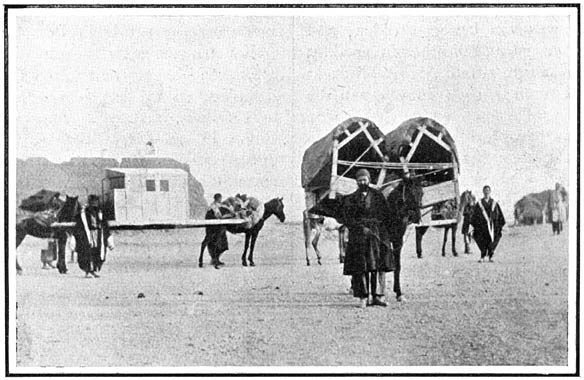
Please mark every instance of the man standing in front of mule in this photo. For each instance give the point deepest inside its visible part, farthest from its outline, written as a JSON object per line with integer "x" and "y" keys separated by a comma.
{"x": 368, "y": 256}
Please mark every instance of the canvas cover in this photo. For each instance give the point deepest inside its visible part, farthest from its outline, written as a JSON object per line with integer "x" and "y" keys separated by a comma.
{"x": 400, "y": 141}
{"x": 405, "y": 134}
{"x": 317, "y": 159}
{"x": 440, "y": 185}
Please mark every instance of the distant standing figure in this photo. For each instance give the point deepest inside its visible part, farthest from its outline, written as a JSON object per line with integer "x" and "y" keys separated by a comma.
{"x": 558, "y": 209}
{"x": 368, "y": 255}
{"x": 488, "y": 221}
{"x": 150, "y": 150}
{"x": 92, "y": 236}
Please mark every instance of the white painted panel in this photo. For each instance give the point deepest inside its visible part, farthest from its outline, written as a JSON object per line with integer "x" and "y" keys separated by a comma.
{"x": 439, "y": 192}
{"x": 137, "y": 206}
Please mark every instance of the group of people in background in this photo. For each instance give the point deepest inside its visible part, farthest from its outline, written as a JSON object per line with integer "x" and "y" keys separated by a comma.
{"x": 369, "y": 255}
{"x": 369, "y": 252}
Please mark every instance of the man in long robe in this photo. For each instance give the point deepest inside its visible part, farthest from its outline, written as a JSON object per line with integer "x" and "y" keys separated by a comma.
{"x": 93, "y": 238}
{"x": 368, "y": 255}
{"x": 488, "y": 221}
{"x": 215, "y": 236}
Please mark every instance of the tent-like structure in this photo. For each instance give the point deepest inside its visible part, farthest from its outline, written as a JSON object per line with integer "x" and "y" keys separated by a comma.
{"x": 542, "y": 201}
{"x": 528, "y": 211}
{"x": 329, "y": 165}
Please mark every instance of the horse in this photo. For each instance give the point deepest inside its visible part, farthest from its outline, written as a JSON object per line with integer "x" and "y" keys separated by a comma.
{"x": 449, "y": 211}
{"x": 272, "y": 207}
{"x": 405, "y": 203}
{"x": 39, "y": 225}
{"x": 313, "y": 222}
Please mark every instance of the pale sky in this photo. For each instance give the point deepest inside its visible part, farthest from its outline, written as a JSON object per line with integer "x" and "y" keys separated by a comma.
{"x": 240, "y": 97}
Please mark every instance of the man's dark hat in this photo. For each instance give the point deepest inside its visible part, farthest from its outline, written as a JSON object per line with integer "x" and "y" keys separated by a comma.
{"x": 363, "y": 173}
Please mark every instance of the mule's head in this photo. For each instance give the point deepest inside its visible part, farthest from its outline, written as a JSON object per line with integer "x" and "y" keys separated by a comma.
{"x": 405, "y": 201}
{"x": 412, "y": 207}
{"x": 276, "y": 207}
{"x": 467, "y": 201}
{"x": 56, "y": 203}
{"x": 69, "y": 210}
{"x": 467, "y": 198}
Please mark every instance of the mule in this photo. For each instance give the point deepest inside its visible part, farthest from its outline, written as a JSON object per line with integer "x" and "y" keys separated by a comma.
{"x": 313, "y": 222}
{"x": 467, "y": 211}
{"x": 39, "y": 225}
{"x": 272, "y": 207}
{"x": 405, "y": 203}
{"x": 466, "y": 199}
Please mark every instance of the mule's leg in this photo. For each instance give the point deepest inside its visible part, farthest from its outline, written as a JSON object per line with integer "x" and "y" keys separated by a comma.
{"x": 61, "y": 245}
{"x": 420, "y": 231}
{"x": 445, "y": 239}
{"x": 315, "y": 245}
{"x": 307, "y": 233}
{"x": 18, "y": 265}
{"x": 254, "y": 236}
{"x": 20, "y": 235}
{"x": 396, "y": 273}
{"x": 454, "y": 227}
{"x": 243, "y": 260}
{"x": 203, "y": 246}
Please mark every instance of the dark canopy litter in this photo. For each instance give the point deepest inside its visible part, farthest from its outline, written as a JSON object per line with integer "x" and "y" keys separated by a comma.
{"x": 400, "y": 141}
{"x": 317, "y": 160}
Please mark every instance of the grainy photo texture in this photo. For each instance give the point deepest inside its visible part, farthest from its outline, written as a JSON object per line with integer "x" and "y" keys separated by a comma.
{"x": 298, "y": 189}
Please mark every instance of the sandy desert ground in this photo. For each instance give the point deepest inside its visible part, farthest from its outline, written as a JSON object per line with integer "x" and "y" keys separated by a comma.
{"x": 283, "y": 313}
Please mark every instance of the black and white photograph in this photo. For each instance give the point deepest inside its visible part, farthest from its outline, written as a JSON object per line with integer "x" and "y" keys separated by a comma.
{"x": 291, "y": 189}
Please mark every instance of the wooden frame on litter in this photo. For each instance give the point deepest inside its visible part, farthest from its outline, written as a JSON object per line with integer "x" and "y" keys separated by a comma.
{"x": 435, "y": 194}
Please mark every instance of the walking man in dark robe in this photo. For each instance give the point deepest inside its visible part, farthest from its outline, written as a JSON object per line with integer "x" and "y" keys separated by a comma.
{"x": 488, "y": 221}
{"x": 368, "y": 256}
{"x": 92, "y": 237}
{"x": 216, "y": 236}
